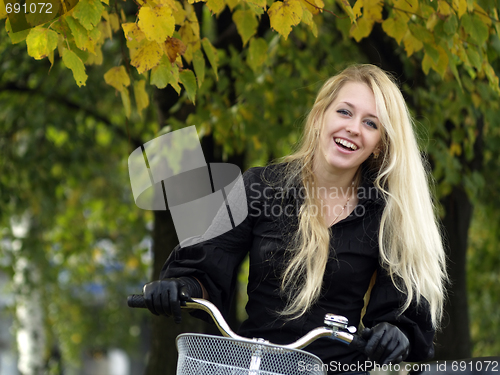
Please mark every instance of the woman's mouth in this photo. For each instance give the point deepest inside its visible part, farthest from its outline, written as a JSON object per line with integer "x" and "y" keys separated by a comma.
{"x": 345, "y": 145}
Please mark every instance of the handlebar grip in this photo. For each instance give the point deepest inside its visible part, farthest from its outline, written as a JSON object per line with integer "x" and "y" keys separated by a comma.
{"x": 358, "y": 343}
{"x": 136, "y": 301}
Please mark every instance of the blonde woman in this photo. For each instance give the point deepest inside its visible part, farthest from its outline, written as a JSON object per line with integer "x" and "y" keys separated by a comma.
{"x": 345, "y": 225}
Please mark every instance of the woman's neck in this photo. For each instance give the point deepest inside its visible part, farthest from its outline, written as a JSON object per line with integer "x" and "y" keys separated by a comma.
{"x": 327, "y": 181}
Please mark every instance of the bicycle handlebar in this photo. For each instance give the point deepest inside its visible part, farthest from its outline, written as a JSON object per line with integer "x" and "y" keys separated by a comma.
{"x": 335, "y": 325}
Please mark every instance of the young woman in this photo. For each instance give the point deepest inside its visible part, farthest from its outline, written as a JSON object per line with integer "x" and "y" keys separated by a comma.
{"x": 344, "y": 225}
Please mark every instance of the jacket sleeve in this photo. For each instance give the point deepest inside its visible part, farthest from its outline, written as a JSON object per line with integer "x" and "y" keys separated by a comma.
{"x": 415, "y": 322}
{"x": 215, "y": 262}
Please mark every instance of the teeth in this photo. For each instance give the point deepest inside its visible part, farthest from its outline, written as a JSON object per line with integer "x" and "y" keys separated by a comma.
{"x": 345, "y": 143}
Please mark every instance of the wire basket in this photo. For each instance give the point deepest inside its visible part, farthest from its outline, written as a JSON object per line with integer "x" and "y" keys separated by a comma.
{"x": 213, "y": 355}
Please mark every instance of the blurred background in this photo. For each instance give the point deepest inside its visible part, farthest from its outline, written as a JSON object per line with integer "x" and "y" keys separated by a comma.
{"x": 73, "y": 244}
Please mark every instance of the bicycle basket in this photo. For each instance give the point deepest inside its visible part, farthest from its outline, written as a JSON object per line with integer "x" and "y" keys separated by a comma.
{"x": 213, "y": 355}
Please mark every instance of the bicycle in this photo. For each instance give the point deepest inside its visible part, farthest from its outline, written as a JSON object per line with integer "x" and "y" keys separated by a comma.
{"x": 201, "y": 354}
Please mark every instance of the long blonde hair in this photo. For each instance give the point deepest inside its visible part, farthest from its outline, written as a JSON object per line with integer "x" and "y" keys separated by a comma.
{"x": 410, "y": 241}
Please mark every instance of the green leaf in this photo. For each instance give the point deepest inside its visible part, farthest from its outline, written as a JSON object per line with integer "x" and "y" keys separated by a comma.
{"x": 211, "y": 53}
{"x": 188, "y": 80}
{"x": 199, "y": 66}
{"x": 257, "y": 53}
{"x": 163, "y": 75}
{"x": 431, "y": 51}
{"x": 73, "y": 62}
{"x": 421, "y": 33}
{"x": 451, "y": 24}
{"x": 474, "y": 57}
{"x": 348, "y": 9}
{"x": 160, "y": 76}
{"x": 475, "y": 27}
{"x": 83, "y": 40}
{"x": 41, "y": 42}
{"x": 453, "y": 67}
{"x": 246, "y": 24}
{"x": 88, "y": 12}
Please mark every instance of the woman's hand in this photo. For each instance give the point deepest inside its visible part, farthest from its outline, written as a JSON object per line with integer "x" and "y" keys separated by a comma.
{"x": 386, "y": 344}
{"x": 163, "y": 297}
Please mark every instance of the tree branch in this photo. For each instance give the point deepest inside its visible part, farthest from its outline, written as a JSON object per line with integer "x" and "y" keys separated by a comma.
{"x": 15, "y": 87}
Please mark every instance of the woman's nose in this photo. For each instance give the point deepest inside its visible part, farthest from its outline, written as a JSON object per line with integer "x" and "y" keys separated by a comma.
{"x": 353, "y": 127}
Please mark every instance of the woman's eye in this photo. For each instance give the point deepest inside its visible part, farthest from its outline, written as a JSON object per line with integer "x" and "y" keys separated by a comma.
{"x": 344, "y": 112}
{"x": 371, "y": 123}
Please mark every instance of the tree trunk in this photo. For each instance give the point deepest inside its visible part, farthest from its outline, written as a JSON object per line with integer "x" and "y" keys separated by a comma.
{"x": 454, "y": 341}
{"x": 163, "y": 353}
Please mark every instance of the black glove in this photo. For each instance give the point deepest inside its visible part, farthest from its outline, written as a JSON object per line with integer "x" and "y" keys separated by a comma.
{"x": 386, "y": 344}
{"x": 163, "y": 297}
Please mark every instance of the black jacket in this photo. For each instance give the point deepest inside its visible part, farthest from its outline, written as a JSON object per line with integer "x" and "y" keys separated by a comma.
{"x": 264, "y": 235}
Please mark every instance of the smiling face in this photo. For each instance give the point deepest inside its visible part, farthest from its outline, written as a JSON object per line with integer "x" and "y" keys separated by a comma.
{"x": 351, "y": 130}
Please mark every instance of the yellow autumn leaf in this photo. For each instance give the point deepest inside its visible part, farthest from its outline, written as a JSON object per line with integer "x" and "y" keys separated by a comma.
{"x": 444, "y": 8}
{"x": 313, "y": 5}
{"x": 285, "y": 14}
{"x": 373, "y": 9}
{"x": 190, "y": 34}
{"x": 132, "y": 32}
{"x": 114, "y": 21}
{"x": 3, "y": 11}
{"x": 157, "y": 23}
{"x": 216, "y": 6}
{"x": 460, "y": 7}
{"x": 141, "y": 96}
{"x": 356, "y": 9}
{"x": 258, "y": 3}
{"x": 411, "y": 44}
{"x": 395, "y": 27}
{"x": 440, "y": 65}
{"x": 117, "y": 77}
{"x": 41, "y": 42}
{"x": 307, "y": 18}
{"x": 232, "y": 4}
{"x": 362, "y": 28}
{"x": 246, "y": 24}
{"x": 455, "y": 148}
{"x": 179, "y": 14}
{"x": 476, "y": 100}
{"x": 482, "y": 14}
{"x": 147, "y": 56}
{"x": 410, "y": 6}
{"x": 105, "y": 29}
{"x": 126, "y": 102}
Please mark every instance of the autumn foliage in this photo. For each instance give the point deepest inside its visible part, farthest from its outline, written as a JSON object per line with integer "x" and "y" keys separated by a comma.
{"x": 166, "y": 47}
